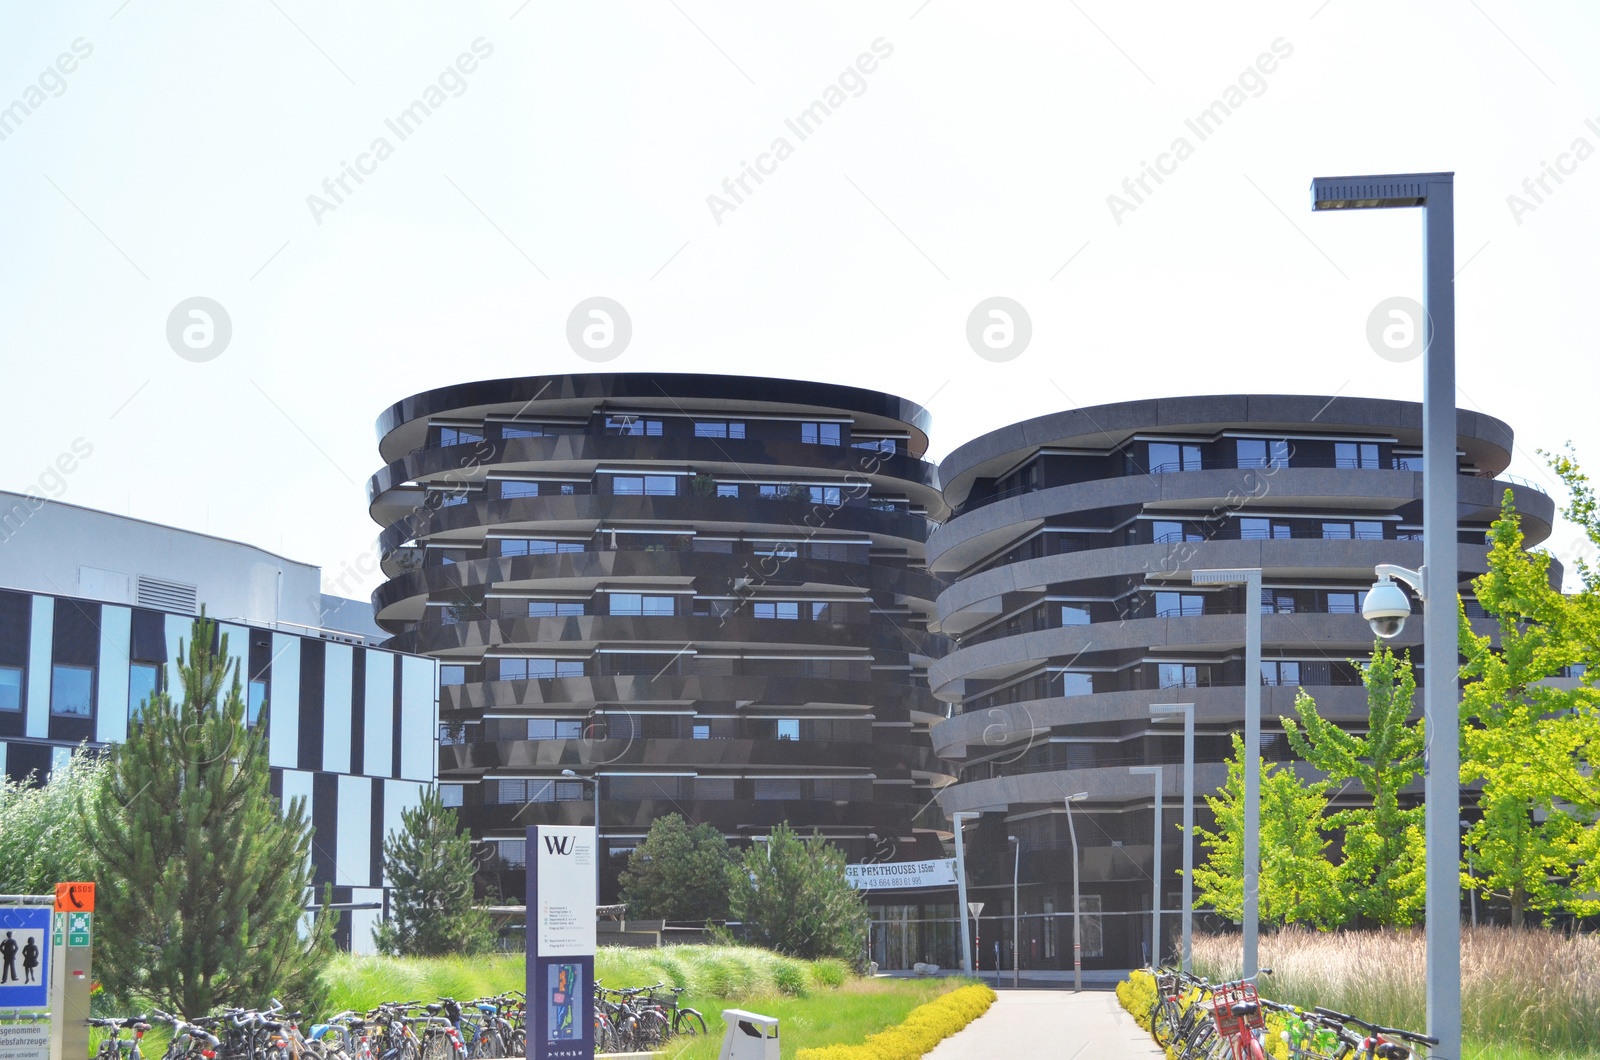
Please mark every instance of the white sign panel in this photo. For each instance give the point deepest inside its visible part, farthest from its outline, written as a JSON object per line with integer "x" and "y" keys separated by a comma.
{"x": 902, "y": 874}
{"x": 25, "y": 1041}
{"x": 565, "y": 864}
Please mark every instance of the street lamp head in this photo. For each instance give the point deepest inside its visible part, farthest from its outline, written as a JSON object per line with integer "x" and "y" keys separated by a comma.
{"x": 1378, "y": 192}
{"x": 1386, "y": 608}
{"x": 1012, "y": 839}
{"x": 1079, "y": 797}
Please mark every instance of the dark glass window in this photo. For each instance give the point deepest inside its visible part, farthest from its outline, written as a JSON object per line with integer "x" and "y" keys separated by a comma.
{"x": 1180, "y": 605}
{"x": 1279, "y": 672}
{"x": 143, "y": 680}
{"x": 1262, "y": 529}
{"x": 510, "y": 490}
{"x": 554, "y": 608}
{"x": 640, "y": 604}
{"x": 775, "y": 609}
{"x": 519, "y": 546}
{"x": 1368, "y": 530}
{"x": 10, "y": 688}
{"x": 527, "y": 669}
{"x": 1337, "y": 531}
{"x": 727, "y": 489}
{"x": 819, "y": 433}
{"x": 787, "y": 728}
{"x": 1355, "y": 454}
{"x": 1167, "y": 531}
{"x": 1262, "y": 452}
{"x": 513, "y": 853}
{"x": 1171, "y": 456}
{"x": 1345, "y": 603}
{"x": 718, "y": 429}
{"x": 644, "y": 485}
{"x": 1183, "y": 675}
{"x": 634, "y": 426}
{"x": 460, "y": 435}
{"x": 72, "y": 690}
{"x": 772, "y": 788}
{"x": 828, "y": 495}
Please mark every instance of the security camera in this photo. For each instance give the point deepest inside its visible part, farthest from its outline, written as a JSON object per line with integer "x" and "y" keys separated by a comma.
{"x": 1386, "y": 608}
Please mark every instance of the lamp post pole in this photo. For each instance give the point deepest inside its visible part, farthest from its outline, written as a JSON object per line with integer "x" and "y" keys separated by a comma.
{"x": 1250, "y": 578}
{"x": 1187, "y": 915}
{"x": 961, "y": 888}
{"x": 1077, "y": 912}
{"x": 1435, "y": 194}
{"x": 594, "y": 780}
{"x": 1155, "y": 898}
{"x": 1016, "y": 922}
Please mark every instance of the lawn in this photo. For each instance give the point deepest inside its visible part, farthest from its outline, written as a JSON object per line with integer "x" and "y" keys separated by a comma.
{"x": 816, "y": 1002}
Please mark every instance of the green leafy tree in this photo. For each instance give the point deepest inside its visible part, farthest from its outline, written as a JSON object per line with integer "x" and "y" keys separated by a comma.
{"x": 791, "y": 895}
{"x": 1530, "y": 746}
{"x": 1298, "y": 883}
{"x": 203, "y": 881}
{"x": 678, "y": 873}
{"x": 43, "y": 837}
{"x": 1381, "y": 871}
{"x": 430, "y": 864}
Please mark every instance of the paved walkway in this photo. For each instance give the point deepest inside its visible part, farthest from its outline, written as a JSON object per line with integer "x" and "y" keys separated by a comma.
{"x": 1050, "y": 1025}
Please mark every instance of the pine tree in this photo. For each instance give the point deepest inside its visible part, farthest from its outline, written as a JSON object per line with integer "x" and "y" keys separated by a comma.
{"x": 792, "y": 896}
{"x": 430, "y": 865}
{"x": 1382, "y": 867}
{"x": 203, "y": 880}
{"x": 678, "y": 873}
{"x": 1298, "y": 884}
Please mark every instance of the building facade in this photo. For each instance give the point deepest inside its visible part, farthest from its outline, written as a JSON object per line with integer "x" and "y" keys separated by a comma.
{"x": 1070, "y": 611}
{"x": 700, "y": 594}
{"x": 352, "y": 727}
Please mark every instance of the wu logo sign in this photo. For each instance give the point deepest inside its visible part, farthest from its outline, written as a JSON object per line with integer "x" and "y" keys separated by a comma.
{"x": 558, "y": 844}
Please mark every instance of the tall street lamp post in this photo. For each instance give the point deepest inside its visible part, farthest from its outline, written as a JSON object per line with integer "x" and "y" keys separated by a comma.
{"x": 1155, "y": 873}
{"x": 1187, "y": 914}
{"x": 961, "y": 888}
{"x": 1435, "y": 194}
{"x": 1077, "y": 917}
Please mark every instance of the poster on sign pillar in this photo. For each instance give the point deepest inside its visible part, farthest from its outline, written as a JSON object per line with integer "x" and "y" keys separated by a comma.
{"x": 561, "y": 942}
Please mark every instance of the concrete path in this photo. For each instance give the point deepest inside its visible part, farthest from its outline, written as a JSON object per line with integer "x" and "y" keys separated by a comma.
{"x": 1050, "y": 1025}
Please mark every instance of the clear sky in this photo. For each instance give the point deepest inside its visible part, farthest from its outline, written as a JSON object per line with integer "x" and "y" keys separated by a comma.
{"x": 165, "y": 151}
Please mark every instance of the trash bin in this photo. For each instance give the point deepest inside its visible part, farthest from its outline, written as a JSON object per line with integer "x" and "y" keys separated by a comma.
{"x": 749, "y": 1036}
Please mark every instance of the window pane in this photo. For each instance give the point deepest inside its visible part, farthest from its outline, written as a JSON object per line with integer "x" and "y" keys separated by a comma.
{"x": 788, "y": 728}
{"x": 1336, "y": 531}
{"x": 142, "y": 678}
{"x": 1341, "y": 603}
{"x": 1369, "y": 531}
{"x": 1077, "y": 684}
{"x": 627, "y": 485}
{"x": 1252, "y": 452}
{"x": 1255, "y": 529}
{"x": 727, "y": 489}
{"x": 509, "y": 490}
{"x": 661, "y": 485}
{"x": 1163, "y": 531}
{"x": 625, "y": 603}
{"x": 258, "y": 699}
{"x": 658, "y": 605}
{"x": 451, "y": 794}
{"x": 10, "y": 688}
{"x": 71, "y": 690}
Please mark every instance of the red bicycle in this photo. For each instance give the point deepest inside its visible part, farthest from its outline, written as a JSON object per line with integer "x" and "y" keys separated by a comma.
{"x": 1241, "y": 1022}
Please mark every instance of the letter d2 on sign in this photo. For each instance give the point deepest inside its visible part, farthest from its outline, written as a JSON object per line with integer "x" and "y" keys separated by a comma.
{"x": 561, "y": 942}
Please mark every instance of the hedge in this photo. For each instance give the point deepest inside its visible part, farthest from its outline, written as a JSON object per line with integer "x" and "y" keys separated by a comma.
{"x": 924, "y": 1028}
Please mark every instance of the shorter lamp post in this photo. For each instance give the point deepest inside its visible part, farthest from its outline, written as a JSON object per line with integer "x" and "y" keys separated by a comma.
{"x": 1077, "y": 928}
{"x": 1016, "y": 921}
{"x": 595, "y": 780}
{"x": 961, "y": 888}
{"x": 1155, "y": 873}
{"x": 1187, "y": 915}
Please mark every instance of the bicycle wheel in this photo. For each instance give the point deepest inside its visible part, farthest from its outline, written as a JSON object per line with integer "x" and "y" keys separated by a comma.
{"x": 437, "y": 1046}
{"x": 688, "y": 1021}
{"x": 1161, "y": 1021}
{"x": 604, "y": 1037}
{"x": 653, "y": 1029}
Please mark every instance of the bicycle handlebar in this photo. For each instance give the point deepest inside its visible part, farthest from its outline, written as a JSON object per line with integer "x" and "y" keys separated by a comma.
{"x": 1373, "y": 1028}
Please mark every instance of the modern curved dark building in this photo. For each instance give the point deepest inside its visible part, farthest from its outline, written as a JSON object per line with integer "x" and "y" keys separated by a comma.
{"x": 709, "y": 592}
{"x": 1071, "y": 612}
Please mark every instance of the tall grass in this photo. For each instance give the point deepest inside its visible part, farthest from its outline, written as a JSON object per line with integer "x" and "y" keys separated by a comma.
{"x": 1532, "y": 988}
{"x": 726, "y": 972}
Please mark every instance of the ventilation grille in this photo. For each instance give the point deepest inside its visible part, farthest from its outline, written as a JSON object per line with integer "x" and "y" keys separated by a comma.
{"x": 167, "y": 596}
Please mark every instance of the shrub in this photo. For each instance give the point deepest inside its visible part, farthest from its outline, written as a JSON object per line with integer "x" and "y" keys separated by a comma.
{"x": 926, "y": 1027}
{"x": 1138, "y": 995}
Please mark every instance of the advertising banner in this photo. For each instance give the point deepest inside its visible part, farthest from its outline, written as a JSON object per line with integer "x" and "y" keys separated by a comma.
{"x": 561, "y": 942}
{"x": 894, "y": 875}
